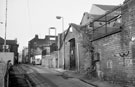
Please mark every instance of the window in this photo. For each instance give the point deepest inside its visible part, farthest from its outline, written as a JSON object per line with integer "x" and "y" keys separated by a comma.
{"x": 52, "y": 38}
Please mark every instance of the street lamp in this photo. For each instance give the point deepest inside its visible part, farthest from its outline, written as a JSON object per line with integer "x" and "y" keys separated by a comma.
{"x": 1, "y": 22}
{"x": 60, "y": 17}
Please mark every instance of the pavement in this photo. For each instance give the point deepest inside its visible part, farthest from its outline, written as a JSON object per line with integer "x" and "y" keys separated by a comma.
{"x": 95, "y": 82}
{"x": 17, "y": 77}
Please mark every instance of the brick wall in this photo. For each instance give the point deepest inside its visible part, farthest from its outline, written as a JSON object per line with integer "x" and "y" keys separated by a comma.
{"x": 83, "y": 53}
{"x": 109, "y": 49}
{"x": 114, "y": 66}
{"x": 117, "y": 51}
{"x": 82, "y": 57}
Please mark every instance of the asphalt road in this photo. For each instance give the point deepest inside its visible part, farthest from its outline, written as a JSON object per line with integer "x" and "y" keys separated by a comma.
{"x": 44, "y": 77}
{"x": 38, "y": 76}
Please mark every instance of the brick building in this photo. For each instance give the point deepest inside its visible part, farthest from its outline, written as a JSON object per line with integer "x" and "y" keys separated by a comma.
{"x": 38, "y": 46}
{"x": 72, "y": 54}
{"x": 112, "y": 54}
{"x": 95, "y": 11}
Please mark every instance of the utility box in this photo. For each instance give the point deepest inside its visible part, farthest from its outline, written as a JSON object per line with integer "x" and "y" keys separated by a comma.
{"x": 5, "y": 56}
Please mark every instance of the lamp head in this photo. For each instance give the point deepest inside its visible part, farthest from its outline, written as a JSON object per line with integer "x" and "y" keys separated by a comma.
{"x": 58, "y": 17}
{"x": 1, "y": 22}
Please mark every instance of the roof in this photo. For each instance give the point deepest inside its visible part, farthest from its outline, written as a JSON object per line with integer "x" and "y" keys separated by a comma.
{"x": 1, "y": 40}
{"x": 106, "y": 7}
{"x": 45, "y": 41}
{"x": 13, "y": 42}
{"x": 107, "y": 17}
{"x": 95, "y": 16}
{"x": 126, "y": 1}
{"x": 75, "y": 26}
{"x": 9, "y": 42}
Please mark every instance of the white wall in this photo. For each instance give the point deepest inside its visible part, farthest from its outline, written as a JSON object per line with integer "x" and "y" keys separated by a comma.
{"x": 5, "y": 56}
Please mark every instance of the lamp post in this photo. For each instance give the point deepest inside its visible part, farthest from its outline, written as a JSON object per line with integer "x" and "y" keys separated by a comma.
{"x": 60, "y": 17}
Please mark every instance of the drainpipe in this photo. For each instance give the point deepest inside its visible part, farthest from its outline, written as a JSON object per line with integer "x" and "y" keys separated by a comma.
{"x": 78, "y": 56}
{"x": 64, "y": 54}
{"x": 58, "y": 50}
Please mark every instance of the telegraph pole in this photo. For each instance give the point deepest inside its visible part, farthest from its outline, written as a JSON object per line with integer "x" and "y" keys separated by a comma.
{"x": 5, "y": 26}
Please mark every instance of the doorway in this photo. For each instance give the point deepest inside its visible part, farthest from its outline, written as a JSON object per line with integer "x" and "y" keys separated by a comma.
{"x": 72, "y": 54}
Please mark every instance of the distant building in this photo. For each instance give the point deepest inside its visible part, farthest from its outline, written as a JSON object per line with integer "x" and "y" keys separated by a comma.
{"x": 99, "y": 9}
{"x": 96, "y": 11}
{"x": 38, "y": 46}
{"x": 25, "y": 55}
{"x": 11, "y": 46}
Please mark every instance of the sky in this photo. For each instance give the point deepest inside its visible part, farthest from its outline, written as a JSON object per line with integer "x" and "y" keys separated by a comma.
{"x": 25, "y": 18}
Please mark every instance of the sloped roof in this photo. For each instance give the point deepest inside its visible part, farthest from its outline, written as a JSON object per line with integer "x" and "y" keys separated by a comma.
{"x": 95, "y": 16}
{"x": 126, "y": 1}
{"x": 77, "y": 27}
{"x": 106, "y": 7}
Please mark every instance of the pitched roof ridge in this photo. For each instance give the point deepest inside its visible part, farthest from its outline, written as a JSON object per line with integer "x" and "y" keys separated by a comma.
{"x": 105, "y": 5}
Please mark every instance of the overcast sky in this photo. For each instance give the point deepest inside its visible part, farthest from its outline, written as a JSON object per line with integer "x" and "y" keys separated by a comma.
{"x": 29, "y": 17}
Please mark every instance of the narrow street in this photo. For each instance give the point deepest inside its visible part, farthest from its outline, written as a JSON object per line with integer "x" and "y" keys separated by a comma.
{"x": 38, "y": 76}
{"x": 67, "y": 43}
